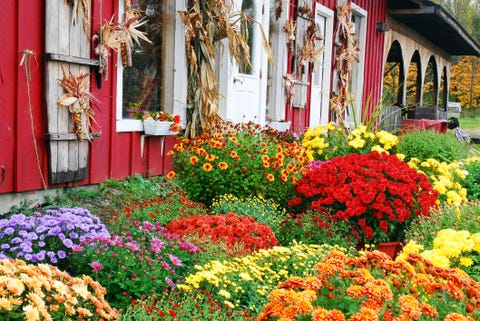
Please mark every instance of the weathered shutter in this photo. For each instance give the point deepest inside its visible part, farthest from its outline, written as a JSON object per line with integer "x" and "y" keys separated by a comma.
{"x": 67, "y": 45}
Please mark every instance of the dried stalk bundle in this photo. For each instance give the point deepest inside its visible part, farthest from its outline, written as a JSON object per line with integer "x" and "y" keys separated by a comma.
{"x": 120, "y": 37}
{"x": 77, "y": 98}
{"x": 206, "y": 23}
{"x": 347, "y": 52}
{"x": 81, "y": 7}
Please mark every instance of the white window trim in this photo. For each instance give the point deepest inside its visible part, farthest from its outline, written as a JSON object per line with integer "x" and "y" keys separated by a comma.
{"x": 322, "y": 114}
{"x": 277, "y": 99}
{"x": 177, "y": 104}
{"x": 357, "y": 82}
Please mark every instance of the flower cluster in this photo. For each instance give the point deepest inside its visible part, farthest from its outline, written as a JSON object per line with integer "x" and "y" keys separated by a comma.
{"x": 326, "y": 142}
{"x": 471, "y": 182}
{"x": 47, "y": 238}
{"x": 43, "y": 292}
{"x": 451, "y": 249}
{"x": 444, "y": 177}
{"x": 378, "y": 193}
{"x": 241, "y": 160}
{"x": 229, "y": 228}
{"x": 246, "y": 281}
{"x": 164, "y": 117}
{"x": 373, "y": 287}
{"x": 143, "y": 259}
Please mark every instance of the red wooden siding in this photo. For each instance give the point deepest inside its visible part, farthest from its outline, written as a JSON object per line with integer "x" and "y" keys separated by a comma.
{"x": 113, "y": 155}
{"x": 373, "y": 73}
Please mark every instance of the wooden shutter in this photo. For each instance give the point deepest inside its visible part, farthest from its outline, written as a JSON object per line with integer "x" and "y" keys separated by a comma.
{"x": 67, "y": 45}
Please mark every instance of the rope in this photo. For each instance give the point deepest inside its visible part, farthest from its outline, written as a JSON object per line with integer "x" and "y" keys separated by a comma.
{"x": 26, "y": 59}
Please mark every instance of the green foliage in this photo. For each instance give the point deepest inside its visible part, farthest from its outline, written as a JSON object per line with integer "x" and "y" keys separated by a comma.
{"x": 424, "y": 228}
{"x": 178, "y": 305}
{"x": 316, "y": 228}
{"x": 472, "y": 178}
{"x": 428, "y": 144}
{"x": 242, "y": 160}
{"x": 161, "y": 209}
{"x": 262, "y": 210}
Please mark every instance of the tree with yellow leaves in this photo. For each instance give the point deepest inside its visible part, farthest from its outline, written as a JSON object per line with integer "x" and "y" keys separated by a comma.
{"x": 465, "y": 82}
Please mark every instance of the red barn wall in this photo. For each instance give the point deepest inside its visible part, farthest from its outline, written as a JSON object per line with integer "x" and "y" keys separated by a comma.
{"x": 113, "y": 155}
{"x": 373, "y": 73}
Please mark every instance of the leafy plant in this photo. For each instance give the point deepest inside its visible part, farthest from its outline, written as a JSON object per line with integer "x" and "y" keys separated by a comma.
{"x": 429, "y": 144}
{"x": 43, "y": 292}
{"x": 179, "y": 305}
{"x": 240, "y": 160}
{"x": 471, "y": 181}
{"x": 424, "y": 228}
{"x": 143, "y": 259}
{"x": 161, "y": 209}
{"x": 316, "y": 228}
{"x": 377, "y": 193}
{"x": 262, "y": 210}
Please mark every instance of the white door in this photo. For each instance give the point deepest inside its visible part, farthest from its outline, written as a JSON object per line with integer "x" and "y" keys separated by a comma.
{"x": 320, "y": 88}
{"x": 243, "y": 89}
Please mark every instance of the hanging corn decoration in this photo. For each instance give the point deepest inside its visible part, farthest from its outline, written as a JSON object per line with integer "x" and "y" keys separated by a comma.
{"x": 77, "y": 98}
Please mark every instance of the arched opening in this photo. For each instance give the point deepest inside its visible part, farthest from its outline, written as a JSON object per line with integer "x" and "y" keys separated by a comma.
{"x": 443, "y": 93}
{"x": 430, "y": 84}
{"x": 393, "y": 76}
{"x": 414, "y": 81}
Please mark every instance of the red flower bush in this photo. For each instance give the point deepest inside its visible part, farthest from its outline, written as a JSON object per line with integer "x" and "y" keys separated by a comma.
{"x": 229, "y": 228}
{"x": 378, "y": 193}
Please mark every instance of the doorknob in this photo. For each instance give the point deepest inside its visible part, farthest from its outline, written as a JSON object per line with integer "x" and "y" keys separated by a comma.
{"x": 236, "y": 79}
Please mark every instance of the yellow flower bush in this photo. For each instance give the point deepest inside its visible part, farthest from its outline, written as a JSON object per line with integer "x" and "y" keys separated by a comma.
{"x": 326, "y": 142}
{"x": 246, "y": 281}
{"x": 451, "y": 249}
{"x": 43, "y": 292}
{"x": 444, "y": 178}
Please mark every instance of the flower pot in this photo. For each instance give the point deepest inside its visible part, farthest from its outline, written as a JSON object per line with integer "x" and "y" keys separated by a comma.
{"x": 390, "y": 248}
{"x": 157, "y": 128}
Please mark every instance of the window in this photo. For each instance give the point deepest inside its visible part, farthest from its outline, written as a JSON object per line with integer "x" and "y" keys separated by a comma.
{"x": 149, "y": 83}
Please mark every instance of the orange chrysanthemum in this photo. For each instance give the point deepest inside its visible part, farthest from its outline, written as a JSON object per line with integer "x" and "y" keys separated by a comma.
{"x": 207, "y": 167}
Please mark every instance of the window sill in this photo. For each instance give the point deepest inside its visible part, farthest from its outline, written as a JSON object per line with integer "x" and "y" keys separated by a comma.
{"x": 129, "y": 125}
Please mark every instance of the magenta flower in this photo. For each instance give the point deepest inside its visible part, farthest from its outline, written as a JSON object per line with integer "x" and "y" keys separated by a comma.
{"x": 96, "y": 266}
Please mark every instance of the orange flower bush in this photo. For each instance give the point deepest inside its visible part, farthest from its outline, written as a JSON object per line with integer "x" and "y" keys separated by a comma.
{"x": 239, "y": 160}
{"x": 373, "y": 287}
{"x": 43, "y": 292}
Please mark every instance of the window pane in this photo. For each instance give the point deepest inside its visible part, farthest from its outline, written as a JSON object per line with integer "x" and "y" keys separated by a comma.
{"x": 143, "y": 84}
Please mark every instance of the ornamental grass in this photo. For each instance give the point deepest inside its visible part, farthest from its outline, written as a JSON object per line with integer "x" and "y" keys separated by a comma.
{"x": 373, "y": 287}
{"x": 43, "y": 292}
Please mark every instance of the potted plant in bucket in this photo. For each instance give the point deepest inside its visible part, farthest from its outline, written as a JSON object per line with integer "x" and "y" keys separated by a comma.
{"x": 161, "y": 123}
{"x": 377, "y": 193}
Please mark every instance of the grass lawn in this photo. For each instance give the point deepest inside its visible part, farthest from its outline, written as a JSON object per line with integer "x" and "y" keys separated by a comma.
{"x": 470, "y": 123}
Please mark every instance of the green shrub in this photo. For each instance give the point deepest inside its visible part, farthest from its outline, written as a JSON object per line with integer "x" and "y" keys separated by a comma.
{"x": 316, "y": 228}
{"x": 471, "y": 182}
{"x": 262, "y": 210}
{"x": 241, "y": 160}
{"x": 424, "y": 228}
{"x": 428, "y": 144}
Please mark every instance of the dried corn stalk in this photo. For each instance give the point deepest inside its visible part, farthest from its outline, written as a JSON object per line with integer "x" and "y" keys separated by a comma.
{"x": 120, "y": 37}
{"x": 77, "y": 98}
{"x": 81, "y": 8}
{"x": 347, "y": 52}
{"x": 206, "y": 23}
